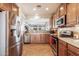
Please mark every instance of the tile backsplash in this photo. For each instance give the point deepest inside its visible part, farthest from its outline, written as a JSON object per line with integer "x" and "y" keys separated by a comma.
{"x": 74, "y": 29}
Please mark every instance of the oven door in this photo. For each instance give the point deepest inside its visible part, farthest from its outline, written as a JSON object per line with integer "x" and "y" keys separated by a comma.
{"x": 55, "y": 45}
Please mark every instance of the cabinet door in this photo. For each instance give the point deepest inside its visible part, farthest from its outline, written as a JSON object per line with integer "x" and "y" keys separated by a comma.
{"x": 5, "y": 6}
{"x": 62, "y": 10}
{"x": 35, "y": 38}
{"x": 15, "y": 9}
{"x": 54, "y": 20}
{"x": 71, "y": 14}
{"x": 77, "y": 13}
{"x": 72, "y": 50}
{"x": 57, "y": 13}
{"x": 38, "y": 38}
{"x": 47, "y": 37}
{"x": 42, "y": 38}
{"x": 69, "y": 53}
{"x": 62, "y": 48}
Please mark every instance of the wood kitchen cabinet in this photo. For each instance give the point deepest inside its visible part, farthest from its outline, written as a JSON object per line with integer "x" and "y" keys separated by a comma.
{"x": 5, "y": 6}
{"x": 39, "y": 38}
{"x": 55, "y": 17}
{"x": 35, "y": 38}
{"x": 62, "y": 48}
{"x": 66, "y": 49}
{"x": 71, "y": 14}
{"x": 57, "y": 13}
{"x": 71, "y": 10}
{"x": 77, "y": 13}
{"x": 15, "y": 9}
{"x": 62, "y": 10}
{"x": 72, "y": 51}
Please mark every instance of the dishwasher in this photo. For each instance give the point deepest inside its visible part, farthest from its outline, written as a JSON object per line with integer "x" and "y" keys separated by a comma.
{"x": 27, "y": 38}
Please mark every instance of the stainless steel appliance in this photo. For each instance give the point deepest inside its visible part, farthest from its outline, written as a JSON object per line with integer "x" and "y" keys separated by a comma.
{"x": 61, "y": 22}
{"x": 54, "y": 45}
{"x": 27, "y": 38}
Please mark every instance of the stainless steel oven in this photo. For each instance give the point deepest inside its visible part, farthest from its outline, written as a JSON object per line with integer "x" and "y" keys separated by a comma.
{"x": 54, "y": 45}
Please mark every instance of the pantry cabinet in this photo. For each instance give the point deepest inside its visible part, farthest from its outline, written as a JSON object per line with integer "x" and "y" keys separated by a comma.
{"x": 71, "y": 14}
{"x": 62, "y": 10}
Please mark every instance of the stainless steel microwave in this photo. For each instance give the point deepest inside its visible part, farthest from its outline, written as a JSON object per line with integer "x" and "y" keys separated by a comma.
{"x": 61, "y": 22}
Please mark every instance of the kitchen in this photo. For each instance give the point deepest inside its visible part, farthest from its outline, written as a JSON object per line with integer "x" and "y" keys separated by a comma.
{"x": 54, "y": 24}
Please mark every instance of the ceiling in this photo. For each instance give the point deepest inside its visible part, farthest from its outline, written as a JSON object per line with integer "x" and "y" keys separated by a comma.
{"x": 40, "y": 10}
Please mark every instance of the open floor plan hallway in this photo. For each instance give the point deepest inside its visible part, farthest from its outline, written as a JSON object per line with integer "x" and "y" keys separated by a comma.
{"x": 37, "y": 50}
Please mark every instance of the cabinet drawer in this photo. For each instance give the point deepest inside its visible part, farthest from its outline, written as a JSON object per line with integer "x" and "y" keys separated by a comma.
{"x": 73, "y": 49}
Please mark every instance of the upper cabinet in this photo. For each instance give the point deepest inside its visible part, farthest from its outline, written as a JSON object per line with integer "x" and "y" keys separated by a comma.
{"x": 62, "y": 10}
{"x": 15, "y": 9}
{"x": 10, "y": 7}
{"x": 55, "y": 17}
{"x": 71, "y": 10}
{"x": 71, "y": 14}
{"x": 5, "y": 6}
{"x": 77, "y": 13}
{"x": 57, "y": 14}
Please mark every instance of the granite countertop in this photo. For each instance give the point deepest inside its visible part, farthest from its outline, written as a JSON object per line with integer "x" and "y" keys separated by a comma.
{"x": 72, "y": 41}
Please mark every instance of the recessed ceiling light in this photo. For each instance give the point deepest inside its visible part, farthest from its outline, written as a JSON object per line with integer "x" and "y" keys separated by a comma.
{"x": 34, "y": 9}
{"x": 61, "y": 8}
{"x": 47, "y": 9}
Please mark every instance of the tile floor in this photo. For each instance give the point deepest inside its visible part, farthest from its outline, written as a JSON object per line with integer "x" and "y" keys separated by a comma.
{"x": 37, "y": 50}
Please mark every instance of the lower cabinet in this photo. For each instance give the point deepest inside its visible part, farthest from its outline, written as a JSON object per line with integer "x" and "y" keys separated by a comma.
{"x": 66, "y": 49}
{"x": 62, "y": 48}
{"x": 39, "y": 38}
{"x": 72, "y": 51}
